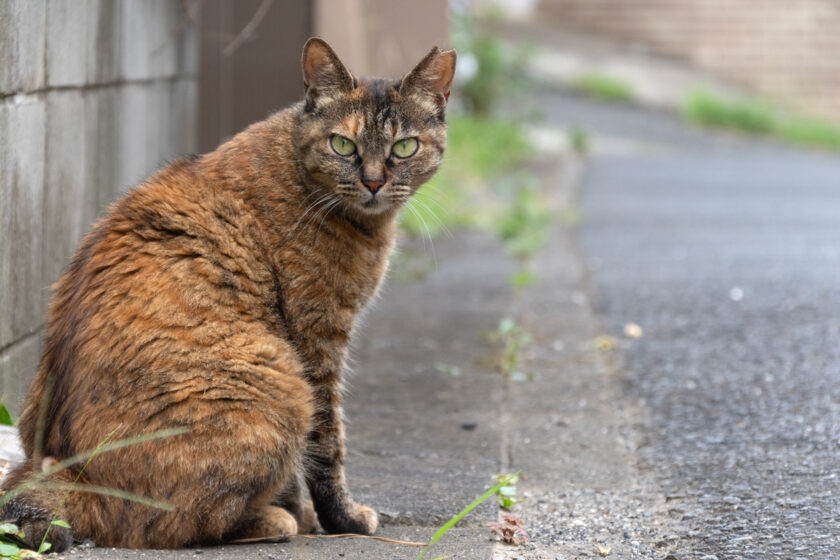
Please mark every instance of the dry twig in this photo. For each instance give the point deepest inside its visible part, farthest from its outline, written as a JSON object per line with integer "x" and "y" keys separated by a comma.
{"x": 249, "y": 28}
{"x": 338, "y": 536}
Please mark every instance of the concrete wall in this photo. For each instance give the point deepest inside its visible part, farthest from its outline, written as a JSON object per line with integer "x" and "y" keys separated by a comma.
{"x": 94, "y": 95}
{"x": 785, "y": 50}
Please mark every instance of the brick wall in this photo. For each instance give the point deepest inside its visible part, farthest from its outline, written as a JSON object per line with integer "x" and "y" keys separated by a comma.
{"x": 94, "y": 95}
{"x": 785, "y": 50}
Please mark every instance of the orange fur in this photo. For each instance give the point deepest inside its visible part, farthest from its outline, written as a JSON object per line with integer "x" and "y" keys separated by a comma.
{"x": 220, "y": 296}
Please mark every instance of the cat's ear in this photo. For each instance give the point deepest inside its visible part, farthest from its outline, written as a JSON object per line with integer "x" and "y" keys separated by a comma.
{"x": 432, "y": 77}
{"x": 324, "y": 75}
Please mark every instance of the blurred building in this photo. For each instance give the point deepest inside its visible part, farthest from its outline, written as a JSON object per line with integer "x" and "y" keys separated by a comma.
{"x": 784, "y": 50}
{"x": 96, "y": 95}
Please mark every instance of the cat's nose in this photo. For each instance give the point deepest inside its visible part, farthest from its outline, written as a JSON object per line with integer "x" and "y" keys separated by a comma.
{"x": 373, "y": 184}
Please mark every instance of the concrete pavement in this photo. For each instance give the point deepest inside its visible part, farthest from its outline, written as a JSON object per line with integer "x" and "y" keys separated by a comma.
{"x": 423, "y": 443}
{"x": 714, "y": 435}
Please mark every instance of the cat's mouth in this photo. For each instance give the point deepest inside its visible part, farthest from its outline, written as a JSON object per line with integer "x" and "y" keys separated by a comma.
{"x": 373, "y": 203}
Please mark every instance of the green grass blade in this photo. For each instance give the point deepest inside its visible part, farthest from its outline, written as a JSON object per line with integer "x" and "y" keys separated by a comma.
{"x": 505, "y": 481}
{"x": 39, "y": 477}
{"x": 105, "y": 491}
{"x": 5, "y": 416}
{"x": 119, "y": 444}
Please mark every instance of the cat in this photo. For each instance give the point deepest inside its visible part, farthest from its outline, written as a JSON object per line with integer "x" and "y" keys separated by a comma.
{"x": 219, "y": 297}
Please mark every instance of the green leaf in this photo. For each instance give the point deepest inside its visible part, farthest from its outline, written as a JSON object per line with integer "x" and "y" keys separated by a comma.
{"x": 523, "y": 278}
{"x": 504, "y": 480}
{"x": 508, "y": 479}
{"x": 506, "y": 325}
{"x": 45, "y": 546}
{"x": 8, "y": 549}
{"x": 9, "y": 528}
{"x": 60, "y": 523}
{"x": 507, "y": 490}
{"x": 5, "y": 416}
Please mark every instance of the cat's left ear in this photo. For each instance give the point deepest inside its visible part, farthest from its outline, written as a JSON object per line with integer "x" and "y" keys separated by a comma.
{"x": 432, "y": 77}
{"x": 324, "y": 74}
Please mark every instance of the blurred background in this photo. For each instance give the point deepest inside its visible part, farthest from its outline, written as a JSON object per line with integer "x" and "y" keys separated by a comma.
{"x": 97, "y": 94}
{"x": 628, "y": 263}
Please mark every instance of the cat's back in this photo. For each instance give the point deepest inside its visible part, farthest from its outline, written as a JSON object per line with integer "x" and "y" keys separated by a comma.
{"x": 168, "y": 274}
{"x": 174, "y": 231}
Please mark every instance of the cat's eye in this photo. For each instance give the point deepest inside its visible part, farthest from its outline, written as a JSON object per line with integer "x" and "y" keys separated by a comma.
{"x": 342, "y": 146}
{"x": 406, "y": 147}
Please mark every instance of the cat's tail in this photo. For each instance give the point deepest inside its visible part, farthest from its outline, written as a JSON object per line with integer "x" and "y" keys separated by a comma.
{"x": 34, "y": 505}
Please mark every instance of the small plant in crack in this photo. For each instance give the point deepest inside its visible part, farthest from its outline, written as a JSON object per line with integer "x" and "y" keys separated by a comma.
{"x": 512, "y": 342}
{"x": 503, "y": 480}
{"x": 506, "y": 494}
{"x": 509, "y": 530}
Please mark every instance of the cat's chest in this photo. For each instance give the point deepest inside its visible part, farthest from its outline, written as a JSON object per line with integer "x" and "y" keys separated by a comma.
{"x": 329, "y": 283}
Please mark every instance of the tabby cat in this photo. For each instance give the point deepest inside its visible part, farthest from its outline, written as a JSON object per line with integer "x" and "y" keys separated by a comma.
{"x": 219, "y": 297}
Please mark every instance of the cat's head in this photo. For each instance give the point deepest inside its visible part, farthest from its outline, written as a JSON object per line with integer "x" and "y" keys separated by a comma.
{"x": 370, "y": 143}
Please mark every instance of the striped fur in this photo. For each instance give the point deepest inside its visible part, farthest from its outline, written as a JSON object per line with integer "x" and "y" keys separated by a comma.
{"x": 220, "y": 296}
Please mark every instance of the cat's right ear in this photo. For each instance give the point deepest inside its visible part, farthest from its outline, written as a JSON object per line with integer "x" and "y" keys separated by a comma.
{"x": 324, "y": 75}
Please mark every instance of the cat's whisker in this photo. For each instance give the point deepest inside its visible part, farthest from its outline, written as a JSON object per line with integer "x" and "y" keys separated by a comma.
{"x": 322, "y": 212}
{"x": 423, "y": 196}
{"x": 435, "y": 216}
{"x": 329, "y": 208}
{"x": 323, "y": 198}
{"x": 419, "y": 216}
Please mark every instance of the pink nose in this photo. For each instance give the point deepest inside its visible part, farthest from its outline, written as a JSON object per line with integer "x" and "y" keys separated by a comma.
{"x": 373, "y": 186}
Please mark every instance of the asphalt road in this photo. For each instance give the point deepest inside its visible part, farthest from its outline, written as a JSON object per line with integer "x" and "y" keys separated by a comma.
{"x": 726, "y": 251}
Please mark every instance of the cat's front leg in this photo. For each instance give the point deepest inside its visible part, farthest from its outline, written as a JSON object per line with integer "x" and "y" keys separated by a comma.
{"x": 337, "y": 512}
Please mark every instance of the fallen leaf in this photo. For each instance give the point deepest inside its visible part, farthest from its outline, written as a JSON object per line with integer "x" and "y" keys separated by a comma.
{"x": 603, "y": 550}
{"x": 632, "y": 330}
{"x": 604, "y": 342}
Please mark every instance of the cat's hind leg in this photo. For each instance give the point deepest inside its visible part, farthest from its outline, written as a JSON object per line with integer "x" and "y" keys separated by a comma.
{"x": 265, "y": 523}
{"x": 243, "y": 444}
{"x": 293, "y": 500}
{"x": 33, "y": 509}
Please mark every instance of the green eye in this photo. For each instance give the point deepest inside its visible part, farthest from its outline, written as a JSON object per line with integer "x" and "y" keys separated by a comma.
{"x": 406, "y": 147}
{"x": 342, "y": 146}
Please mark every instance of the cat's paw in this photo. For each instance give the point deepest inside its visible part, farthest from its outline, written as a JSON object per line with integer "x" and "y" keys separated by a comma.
{"x": 35, "y": 522}
{"x": 356, "y": 519}
{"x": 274, "y": 524}
{"x": 367, "y": 519}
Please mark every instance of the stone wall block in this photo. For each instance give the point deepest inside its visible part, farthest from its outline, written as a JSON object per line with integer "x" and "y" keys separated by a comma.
{"x": 135, "y": 42}
{"x": 133, "y": 127}
{"x": 22, "y": 44}
{"x": 67, "y": 191}
{"x": 161, "y": 139}
{"x": 150, "y": 34}
{"x": 6, "y": 48}
{"x": 18, "y": 365}
{"x": 66, "y": 42}
{"x": 23, "y": 190}
{"x": 187, "y": 46}
{"x": 185, "y": 116}
{"x": 102, "y": 129}
{"x": 6, "y": 296}
{"x": 103, "y": 42}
